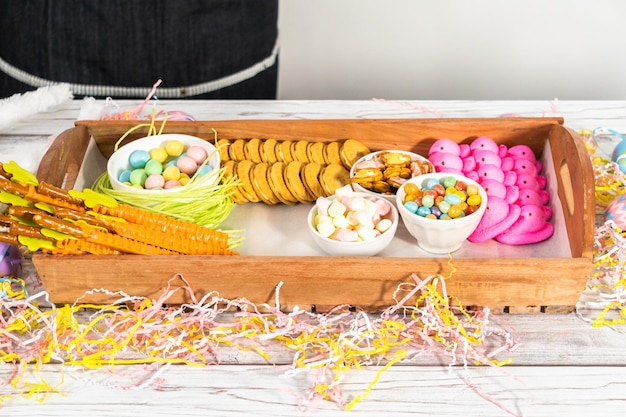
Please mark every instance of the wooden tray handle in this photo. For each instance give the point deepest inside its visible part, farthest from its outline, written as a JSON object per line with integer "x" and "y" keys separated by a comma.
{"x": 574, "y": 175}
{"x": 62, "y": 161}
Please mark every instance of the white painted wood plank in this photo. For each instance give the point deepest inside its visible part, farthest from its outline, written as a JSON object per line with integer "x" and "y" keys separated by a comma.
{"x": 267, "y": 391}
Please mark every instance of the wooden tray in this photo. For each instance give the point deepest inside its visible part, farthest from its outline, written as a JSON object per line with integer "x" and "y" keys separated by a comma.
{"x": 516, "y": 284}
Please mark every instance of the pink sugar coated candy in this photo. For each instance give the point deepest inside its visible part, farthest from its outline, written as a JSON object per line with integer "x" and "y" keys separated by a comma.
{"x": 171, "y": 184}
{"x": 187, "y": 165}
{"x": 154, "y": 181}
{"x": 197, "y": 153}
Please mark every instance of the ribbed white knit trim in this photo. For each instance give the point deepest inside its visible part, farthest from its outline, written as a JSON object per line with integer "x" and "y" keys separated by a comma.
{"x": 171, "y": 92}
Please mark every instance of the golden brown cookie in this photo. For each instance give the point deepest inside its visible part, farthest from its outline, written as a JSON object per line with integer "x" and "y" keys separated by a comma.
{"x": 334, "y": 176}
{"x": 294, "y": 182}
{"x": 316, "y": 152}
{"x": 229, "y": 172}
{"x": 310, "y": 178}
{"x": 252, "y": 150}
{"x": 331, "y": 153}
{"x": 268, "y": 151}
{"x": 276, "y": 180}
{"x": 258, "y": 178}
{"x": 299, "y": 151}
{"x": 222, "y": 147}
{"x": 236, "y": 150}
{"x": 351, "y": 151}
{"x": 284, "y": 151}
{"x": 242, "y": 169}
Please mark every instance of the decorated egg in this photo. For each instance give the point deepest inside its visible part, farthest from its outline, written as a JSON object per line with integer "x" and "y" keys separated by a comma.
{"x": 616, "y": 211}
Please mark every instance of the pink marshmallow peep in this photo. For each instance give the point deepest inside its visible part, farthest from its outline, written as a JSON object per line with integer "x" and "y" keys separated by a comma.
{"x": 484, "y": 157}
{"x": 530, "y": 227}
{"x": 522, "y": 152}
{"x": 485, "y": 144}
{"x": 446, "y": 162}
{"x": 445, "y": 145}
{"x": 498, "y": 217}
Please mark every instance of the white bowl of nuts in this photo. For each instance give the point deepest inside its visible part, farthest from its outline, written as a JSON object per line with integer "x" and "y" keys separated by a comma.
{"x": 382, "y": 173}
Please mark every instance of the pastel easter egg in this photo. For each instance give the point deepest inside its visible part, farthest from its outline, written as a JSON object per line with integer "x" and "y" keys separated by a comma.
{"x": 138, "y": 158}
{"x": 616, "y": 211}
{"x": 197, "y": 153}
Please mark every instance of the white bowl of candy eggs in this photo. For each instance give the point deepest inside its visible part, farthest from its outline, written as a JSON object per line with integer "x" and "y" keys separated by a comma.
{"x": 441, "y": 210}
{"x": 164, "y": 164}
{"x": 381, "y": 173}
{"x": 351, "y": 223}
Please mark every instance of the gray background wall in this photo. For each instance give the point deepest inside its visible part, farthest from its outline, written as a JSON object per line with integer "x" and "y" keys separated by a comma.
{"x": 452, "y": 49}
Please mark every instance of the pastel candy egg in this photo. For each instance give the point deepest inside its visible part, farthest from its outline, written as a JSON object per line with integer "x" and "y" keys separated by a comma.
{"x": 138, "y": 158}
{"x": 186, "y": 165}
{"x": 171, "y": 184}
{"x": 197, "y": 153}
{"x": 171, "y": 173}
{"x": 184, "y": 178}
{"x": 174, "y": 147}
{"x": 153, "y": 167}
{"x": 203, "y": 170}
{"x": 158, "y": 154}
{"x": 138, "y": 177}
{"x": 154, "y": 181}
{"x": 616, "y": 211}
{"x": 124, "y": 176}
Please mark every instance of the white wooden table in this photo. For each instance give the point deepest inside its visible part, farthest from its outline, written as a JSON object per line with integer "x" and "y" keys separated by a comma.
{"x": 564, "y": 366}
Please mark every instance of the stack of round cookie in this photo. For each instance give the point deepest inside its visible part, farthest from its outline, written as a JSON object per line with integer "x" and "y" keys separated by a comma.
{"x": 288, "y": 171}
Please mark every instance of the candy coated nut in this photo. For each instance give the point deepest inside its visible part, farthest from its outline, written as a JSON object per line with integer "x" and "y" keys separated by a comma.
{"x": 186, "y": 165}
{"x": 158, "y": 154}
{"x": 452, "y": 199}
{"x": 449, "y": 182}
{"x": 411, "y": 206}
{"x": 474, "y": 200}
{"x": 138, "y": 158}
{"x": 154, "y": 181}
{"x": 423, "y": 211}
{"x": 428, "y": 201}
{"x": 124, "y": 176}
{"x": 171, "y": 173}
{"x": 411, "y": 189}
{"x": 174, "y": 147}
{"x": 153, "y": 167}
{"x": 197, "y": 153}
{"x": 138, "y": 177}
{"x": 455, "y": 211}
{"x": 444, "y": 206}
{"x": 171, "y": 184}
{"x": 429, "y": 184}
